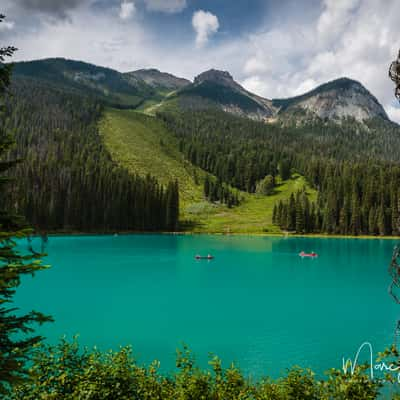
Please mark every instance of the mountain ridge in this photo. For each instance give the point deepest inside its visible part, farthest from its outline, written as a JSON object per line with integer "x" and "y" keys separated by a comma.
{"x": 333, "y": 100}
{"x": 157, "y": 79}
{"x": 328, "y": 100}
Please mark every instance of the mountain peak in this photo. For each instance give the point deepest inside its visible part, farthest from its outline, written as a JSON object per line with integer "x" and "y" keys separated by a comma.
{"x": 157, "y": 79}
{"x": 216, "y": 76}
{"x": 339, "y": 98}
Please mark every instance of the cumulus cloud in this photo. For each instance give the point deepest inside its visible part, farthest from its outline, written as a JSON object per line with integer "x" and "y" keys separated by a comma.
{"x": 58, "y": 9}
{"x": 7, "y": 25}
{"x": 277, "y": 58}
{"x": 335, "y": 18}
{"x": 166, "y": 6}
{"x": 83, "y": 37}
{"x": 255, "y": 65}
{"x": 127, "y": 9}
{"x": 394, "y": 113}
{"x": 205, "y": 25}
{"x": 350, "y": 38}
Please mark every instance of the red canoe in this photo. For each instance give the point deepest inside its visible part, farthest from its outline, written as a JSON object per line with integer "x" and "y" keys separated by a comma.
{"x": 312, "y": 255}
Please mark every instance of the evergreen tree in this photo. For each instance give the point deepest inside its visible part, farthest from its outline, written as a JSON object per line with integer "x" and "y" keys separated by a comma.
{"x": 355, "y": 215}
{"x": 300, "y": 223}
{"x": 274, "y": 214}
{"x": 291, "y": 214}
{"x": 15, "y": 346}
{"x": 207, "y": 187}
{"x": 172, "y": 215}
{"x": 394, "y": 213}
{"x": 381, "y": 220}
{"x": 372, "y": 225}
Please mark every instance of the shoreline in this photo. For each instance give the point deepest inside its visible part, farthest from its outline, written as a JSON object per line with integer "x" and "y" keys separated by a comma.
{"x": 187, "y": 233}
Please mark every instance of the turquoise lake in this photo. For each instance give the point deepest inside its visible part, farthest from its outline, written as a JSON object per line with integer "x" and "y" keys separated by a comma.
{"x": 257, "y": 303}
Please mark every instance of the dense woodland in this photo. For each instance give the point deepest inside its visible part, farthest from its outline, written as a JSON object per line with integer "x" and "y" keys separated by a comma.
{"x": 354, "y": 167}
{"x": 215, "y": 190}
{"x": 67, "y": 179}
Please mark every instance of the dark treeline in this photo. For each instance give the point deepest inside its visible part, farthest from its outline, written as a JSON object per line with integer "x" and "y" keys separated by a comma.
{"x": 354, "y": 167}
{"x": 356, "y": 198}
{"x": 297, "y": 214}
{"x": 230, "y": 148}
{"x": 215, "y": 190}
{"x": 67, "y": 179}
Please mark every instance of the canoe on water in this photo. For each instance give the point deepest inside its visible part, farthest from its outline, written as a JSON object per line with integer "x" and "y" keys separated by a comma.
{"x": 209, "y": 257}
{"x": 312, "y": 254}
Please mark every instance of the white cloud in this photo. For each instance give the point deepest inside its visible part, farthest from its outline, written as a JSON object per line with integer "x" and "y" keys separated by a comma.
{"x": 278, "y": 58}
{"x": 350, "y": 38}
{"x": 7, "y": 25}
{"x": 205, "y": 25}
{"x": 255, "y": 84}
{"x": 255, "y": 65}
{"x": 336, "y": 16}
{"x": 127, "y": 9}
{"x": 394, "y": 113}
{"x": 305, "y": 87}
{"x": 166, "y": 6}
{"x": 84, "y": 37}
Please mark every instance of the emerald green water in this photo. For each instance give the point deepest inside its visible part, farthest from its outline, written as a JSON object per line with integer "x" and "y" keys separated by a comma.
{"x": 258, "y": 303}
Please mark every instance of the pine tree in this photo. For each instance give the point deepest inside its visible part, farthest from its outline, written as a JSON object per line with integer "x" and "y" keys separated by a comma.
{"x": 207, "y": 187}
{"x": 15, "y": 346}
{"x": 372, "y": 226}
{"x": 381, "y": 220}
{"x": 172, "y": 212}
{"x": 394, "y": 214}
{"x": 291, "y": 214}
{"x": 355, "y": 215}
{"x": 300, "y": 224}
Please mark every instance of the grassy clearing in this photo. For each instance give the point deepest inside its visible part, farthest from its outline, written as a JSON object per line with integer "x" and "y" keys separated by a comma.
{"x": 142, "y": 145}
{"x": 254, "y": 215}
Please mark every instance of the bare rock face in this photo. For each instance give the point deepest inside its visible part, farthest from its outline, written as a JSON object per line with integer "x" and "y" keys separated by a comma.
{"x": 341, "y": 98}
{"x": 222, "y": 89}
{"x": 156, "y": 79}
{"x": 223, "y": 78}
{"x": 335, "y": 100}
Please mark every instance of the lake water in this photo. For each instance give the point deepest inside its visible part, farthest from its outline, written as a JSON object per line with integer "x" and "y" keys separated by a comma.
{"x": 257, "y": 303}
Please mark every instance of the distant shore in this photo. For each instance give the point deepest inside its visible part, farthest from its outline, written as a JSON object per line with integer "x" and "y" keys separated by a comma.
{"x": 190, "y": 233}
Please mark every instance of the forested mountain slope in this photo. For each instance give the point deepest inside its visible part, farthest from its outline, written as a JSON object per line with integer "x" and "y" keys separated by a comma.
{"x": 323, "y": 162}
{"x": 122, "y": 90}
{"x": 67, "y": 179}
{"x": 143, "y": 145}
{"x": 357, "y": 175}
{"x": 215, "y": 89}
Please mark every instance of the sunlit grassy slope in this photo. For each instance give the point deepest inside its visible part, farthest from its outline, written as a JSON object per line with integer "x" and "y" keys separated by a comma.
{"x": 142, "y": 144}
{"x": 254, "y": 215}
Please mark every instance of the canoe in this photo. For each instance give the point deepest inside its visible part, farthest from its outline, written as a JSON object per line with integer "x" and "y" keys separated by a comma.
{"x": 312, "y": 255}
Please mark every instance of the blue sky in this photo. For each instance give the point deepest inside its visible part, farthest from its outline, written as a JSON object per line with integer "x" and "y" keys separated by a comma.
{"x": 274, "y": 48}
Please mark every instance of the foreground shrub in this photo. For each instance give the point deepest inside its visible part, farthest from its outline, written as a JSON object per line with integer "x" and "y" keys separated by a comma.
{"x": 67, "y": 372}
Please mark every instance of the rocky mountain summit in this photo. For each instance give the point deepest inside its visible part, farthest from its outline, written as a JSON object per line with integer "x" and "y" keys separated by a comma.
{"x": 335, "y": 100}
{"x": 158, "y": 80}
{"x": 220, "y": 89}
